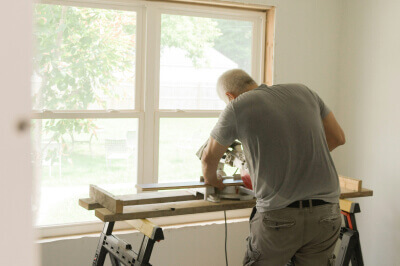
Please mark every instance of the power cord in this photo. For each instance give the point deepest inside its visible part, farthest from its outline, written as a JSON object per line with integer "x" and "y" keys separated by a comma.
{"x": 226, "y": 240}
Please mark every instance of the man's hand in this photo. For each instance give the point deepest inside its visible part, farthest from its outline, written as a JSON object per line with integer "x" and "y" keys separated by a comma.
{"x": 218, "y": 183}
{"x": 209, "y": 161}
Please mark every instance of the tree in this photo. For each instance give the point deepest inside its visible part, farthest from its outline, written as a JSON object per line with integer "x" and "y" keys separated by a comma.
{"x": 81, "y": 53}
{"x": 235, "y": 42}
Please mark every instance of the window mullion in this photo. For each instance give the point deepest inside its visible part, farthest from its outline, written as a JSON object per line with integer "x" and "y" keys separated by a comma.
{"x": 150, "y": 102}
{"x": 140, "y": 88}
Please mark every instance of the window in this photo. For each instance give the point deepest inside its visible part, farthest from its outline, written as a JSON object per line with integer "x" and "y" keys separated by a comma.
{"x": 125, "y": 94}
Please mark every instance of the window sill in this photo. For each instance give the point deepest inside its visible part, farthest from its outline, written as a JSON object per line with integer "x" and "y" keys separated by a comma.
{"x": 93, "y": 229}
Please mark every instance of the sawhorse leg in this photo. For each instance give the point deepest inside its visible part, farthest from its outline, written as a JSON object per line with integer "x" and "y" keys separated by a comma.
{"x": 101, "y": 251}
{"x": 350, "y": 248}
{"x": 120, "y": 252}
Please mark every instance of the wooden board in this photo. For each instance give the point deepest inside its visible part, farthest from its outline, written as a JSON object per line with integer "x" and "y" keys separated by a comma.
{"x": 347, "y": 205}
{"x": 350, "y": 183}
{"x": 347, "y": 193}
{"x": 106, "y": 199}
{"x": 181, "y": 185}
{"x": 146, "y": 227}
{"x": 171, "y": 209}
{"x": 158, "y": 197}
{"x": 89, "y": 204}
{"x": 269, "y": 47}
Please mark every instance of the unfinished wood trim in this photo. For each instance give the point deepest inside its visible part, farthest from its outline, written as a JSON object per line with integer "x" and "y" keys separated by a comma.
{"x": 269, "y": 47}
{"x": 163, "y": 197}
{"x": 106, "y": 199}
{"x": 181, "y": 185}
{"x": 145, "y": 226}
{"x": 217, "y": 3}
{"x": 346, "y": 193}
{"x": 171, "y": 209}
{"x": 350, "y": 183}
{"x": 347, "y": 205}
{"x": 158, "y": 197}
{"x": 89, "y": 204}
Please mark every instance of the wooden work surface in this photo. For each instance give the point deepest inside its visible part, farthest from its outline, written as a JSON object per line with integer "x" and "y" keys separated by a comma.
{"x": 181, "y": 185}
{"x": 171, "y": 209}
{"x": 182, "y": 207}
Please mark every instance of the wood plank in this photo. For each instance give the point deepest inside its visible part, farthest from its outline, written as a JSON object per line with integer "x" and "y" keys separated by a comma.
{"x": 106, "y": 199}
{"x": 349, "y": 206}
{"x": 350, "y": 183}
{"x": 158, "y": 197}
{"x": 180, "y": 185}
{"x": 89, "y": 204}
{"x": 146, "y": 227}
{"x": 171, "y": 209}
{"x": 347, "y": 193}
{"x": 269, "y": 47}
{"x": 345, "y": 205}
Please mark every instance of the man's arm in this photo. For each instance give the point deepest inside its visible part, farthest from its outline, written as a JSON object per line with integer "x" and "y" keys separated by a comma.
{"x": 212, "y": 154}
{"x": 333, "y": 132}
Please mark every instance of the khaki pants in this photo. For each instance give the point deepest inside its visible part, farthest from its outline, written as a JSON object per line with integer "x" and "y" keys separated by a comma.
{"x": 307, "y": 234}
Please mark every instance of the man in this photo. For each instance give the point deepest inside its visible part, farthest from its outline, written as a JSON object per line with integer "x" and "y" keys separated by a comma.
{"x": 287, "y": 133}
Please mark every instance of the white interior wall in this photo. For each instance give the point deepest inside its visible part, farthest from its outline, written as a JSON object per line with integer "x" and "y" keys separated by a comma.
{"x": 16, "y": 247}
{"x": 368, "y": 105}
{"x": 306, "y": 49}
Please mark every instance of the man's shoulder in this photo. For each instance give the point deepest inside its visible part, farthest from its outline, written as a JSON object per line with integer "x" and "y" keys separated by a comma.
{"x": 297, "y": 86}
{"x": 249, "y": 95}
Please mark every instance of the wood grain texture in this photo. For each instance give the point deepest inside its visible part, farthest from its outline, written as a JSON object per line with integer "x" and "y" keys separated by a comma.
{"x": 350, "y": 183}
{"x": 345, "y": 205}
{"x": 106, "y": 199}
{"x": 181, "y": 185}
{"x": 269, "y": 47}
{"x": 347, "y": 193}
{"x": 145, "y": 226}
{"x": 158, "y": 197}
{"x": 171, "y": 209}
{"x": 89, "y": 204}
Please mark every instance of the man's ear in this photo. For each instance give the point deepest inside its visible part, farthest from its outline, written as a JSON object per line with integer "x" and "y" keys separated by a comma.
{"x": 230, "y": 96}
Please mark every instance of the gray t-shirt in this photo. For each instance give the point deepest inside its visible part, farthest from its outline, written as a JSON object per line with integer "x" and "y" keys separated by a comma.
{"x": 284, "y": 142}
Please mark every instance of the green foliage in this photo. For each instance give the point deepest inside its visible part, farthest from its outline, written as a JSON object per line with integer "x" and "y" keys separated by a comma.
{"x": 235, "y": 42}
{"x": 79, "y": 52}
{"x": 192, "y": 34}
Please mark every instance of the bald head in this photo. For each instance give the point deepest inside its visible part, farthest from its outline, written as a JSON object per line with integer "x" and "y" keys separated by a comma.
{"x": 233, "y": 83}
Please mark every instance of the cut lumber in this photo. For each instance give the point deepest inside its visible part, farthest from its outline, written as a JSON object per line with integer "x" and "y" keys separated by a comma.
{"x": 158, "y": 197}
{"x": 180, "y": 185}
{"x": 350, "y": 183}
{"x": 89, "y": 204}
{"x": 147, "y": 228}
{"x": 170, "y": 209}
{"x": 106, "y": 199}
{"x": 347, "y": 193}
{"x": 349, "y": 206}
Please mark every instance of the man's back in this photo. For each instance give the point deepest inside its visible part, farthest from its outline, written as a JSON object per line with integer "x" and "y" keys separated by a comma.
{"x": 283, "y": 137}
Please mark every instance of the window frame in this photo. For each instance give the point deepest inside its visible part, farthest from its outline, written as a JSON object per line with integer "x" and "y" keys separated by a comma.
{"x": 148, "y": 32}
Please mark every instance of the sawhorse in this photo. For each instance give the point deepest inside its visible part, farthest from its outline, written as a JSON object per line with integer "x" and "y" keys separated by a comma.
{"x": 350, "y": 248}
{"x": 120, "y": 252}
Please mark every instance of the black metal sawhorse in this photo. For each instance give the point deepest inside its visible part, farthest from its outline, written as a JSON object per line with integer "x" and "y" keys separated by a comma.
{"x": 120, "y": 251}
{"x": 350, "y": 248}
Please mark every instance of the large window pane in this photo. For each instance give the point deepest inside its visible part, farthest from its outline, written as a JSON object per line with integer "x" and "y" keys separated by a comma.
{"x": 195, "y": 51}
{"x": 84, "y": 58}
{"x": 180, "y": 139}
{"x": 70, "y": 154}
